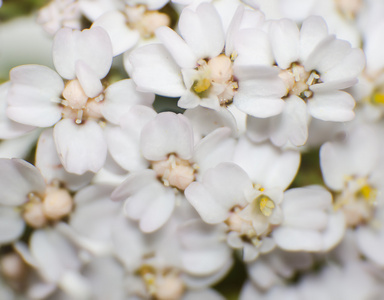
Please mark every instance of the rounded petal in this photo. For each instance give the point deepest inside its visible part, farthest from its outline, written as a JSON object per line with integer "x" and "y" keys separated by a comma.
{"x": 120, "y": 97}
{"x": 293, "y": 239}
{"x": 8, "y": 128}
{"x": 332, "y": 106}
{"x": 18, "y": 178}
{"x": 53, "y": 253}
{"x": 88, "y": 79}
{"x": 91, "y": 46}
{"x": 34, "y": 95}
{"x": 48, "y": 162}
{"x": 154, "y": 70}
{"x": 158, "y": 212}
{"x": 266, "y": 164}
{"x": 312, "y": 32}
{"x": 202, "y": 30}
{"x": 177, "y": 47}
{"x": 11, "y": 225}
{"x": 167, "y": 133}
{"x": 292, "y": 123}
{"x": 82, "y": 147}
{"x": 208, "y": 207}
{"x": 122, "y": 37}
{"x": 284, "y": 37}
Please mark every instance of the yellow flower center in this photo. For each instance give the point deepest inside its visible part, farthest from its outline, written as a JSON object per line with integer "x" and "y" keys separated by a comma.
{"x": 266, "y": 205}
{"x": 216, "y": 76}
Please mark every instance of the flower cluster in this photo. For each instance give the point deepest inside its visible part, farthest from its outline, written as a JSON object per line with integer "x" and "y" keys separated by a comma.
{"x": 268, "y": 157}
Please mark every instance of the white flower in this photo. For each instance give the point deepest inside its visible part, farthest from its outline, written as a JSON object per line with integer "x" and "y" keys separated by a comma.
{"x": 274, "y": 268}
{"x": 309, "y": 222}
{"x": 200, "y": 64}
{"x": 134, "y": 24}
{"x": 166, "y": 144}
{"x": 77, "y": 109}
{"x": 174, "y": 259}
{"x": 56, "y": 260}
{"x": 315, "y": 67}
{"x": 351, "y": 167}
{"x": 58, "y": 14}
{"x": 226, "y": 194}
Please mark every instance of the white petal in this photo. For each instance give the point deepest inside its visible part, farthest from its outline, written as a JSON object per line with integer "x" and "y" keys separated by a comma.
{"x": 208, "y": 207}
{"x": 88, "y": 79}
{"x": 292, "y": 124}
{"x": 335, "y": 231}
{"x": 253, "y": 47}
{"x": 120, "y": 97}
{"x": 125, "y": 149}
{"x": 95, "y": 212}
{"x": 40, "y": 77}
{"x": 33, "y": 96}
{"x": 329, "y": 52}
{"x": 258, "y": 129}
{"x": 312, "y": 32}
{"x": 332, "y": 106}
{"x": 284, "y": 36}
{"x": 205, "y": 261}
{"x": 292, "y": 239}
{"x": 154, "y": 70}
{"x": 177, "y": 47}
{"x": 371, "y": 243}
{"x": 82, "y": 147}
{"x": 18, "y": 178}
{"x": 158, "y": 212}
{"x": 11, "y": 225}
{"x": 189, "y": 99}
{"x": 64, "y": 54}
{"x": 348, "y": 68}
{"x": 223, "y": 187}
{"x": 260, "y": 91}
{"x": 53, "y": 253}
{"x": 216, "y": 147}
{"x": 250, "y": 252}
{"x": 233, "y": 30}
{"x": 133, "y": 184}
{"x": 48, "y": 162}
{"x": 91, "y": 46}
{"x": 122, "y": 37}
{"x": 167, "y": 133}
{"x": 333, "y": 166}
{"x": 202, "y": 30}
{"x": 8, "y": 128}
{"x": 310, "y": 197}
{"x": 266, "y": 164}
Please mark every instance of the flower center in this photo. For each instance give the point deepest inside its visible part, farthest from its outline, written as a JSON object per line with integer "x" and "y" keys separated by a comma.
{"x": 146, "y": 21}
{"x": 175, "y": 172}
{"x": 297, "y": 80}
{"x": 378, "y": 99}
{"x": 266, "y": 205}
{"x": 53, "y": 206}
{"x": 349, "y": 8}
{"x": 244, "y": 227}
{"x": 215, "y": 76}
{"x": 78, "y": 106}
{"x": 162, "y": 285}
{"x": 357, "y": 200}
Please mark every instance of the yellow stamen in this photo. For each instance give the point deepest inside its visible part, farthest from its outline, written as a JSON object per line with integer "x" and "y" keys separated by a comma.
{"x": 378, "y": 98}
{"x": 266, "y": 206}
{"x": 201, "y": 85}
{"x": 368, "y": 193}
